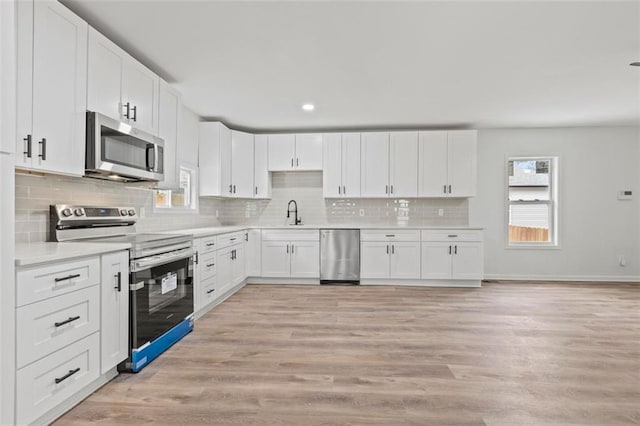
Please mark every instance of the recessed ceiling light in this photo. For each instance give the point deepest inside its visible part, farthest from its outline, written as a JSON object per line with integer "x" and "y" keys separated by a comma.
{"x": 308, "y": 107}
{"x": 635, "y": 64}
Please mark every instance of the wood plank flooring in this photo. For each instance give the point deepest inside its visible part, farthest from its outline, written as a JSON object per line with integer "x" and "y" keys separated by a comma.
{"x": 503, "y": 354}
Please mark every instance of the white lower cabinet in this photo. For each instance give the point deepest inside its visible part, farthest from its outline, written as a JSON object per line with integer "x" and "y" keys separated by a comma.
{"x": 290, "y": 254}
{"x": 253, "y": 247}
{"x": 398, "y": 260}
{"x": 115, "y": 310}
{"x": 46, "y": 383}
{"x": 231, "y": 267}
{"x": 452, "y": 255}
{"x": 72, "y": 326}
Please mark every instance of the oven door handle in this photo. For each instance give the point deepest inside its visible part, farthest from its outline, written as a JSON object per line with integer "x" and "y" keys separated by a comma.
{"x": 161, "y": 259}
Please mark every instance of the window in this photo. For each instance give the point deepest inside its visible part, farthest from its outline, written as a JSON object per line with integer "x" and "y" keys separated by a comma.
{"x": 532, "y": 202}
{"x": 182, "y": 198}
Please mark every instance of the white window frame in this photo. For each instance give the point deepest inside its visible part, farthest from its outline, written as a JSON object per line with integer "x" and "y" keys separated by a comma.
{"x": 553, "y": 205}
{"x": 195, "y": 205}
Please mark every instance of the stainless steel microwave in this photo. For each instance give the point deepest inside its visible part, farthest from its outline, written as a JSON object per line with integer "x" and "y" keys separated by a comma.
{"x": 120, "y": 152}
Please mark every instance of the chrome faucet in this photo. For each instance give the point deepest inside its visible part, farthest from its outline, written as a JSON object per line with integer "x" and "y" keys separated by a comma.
{"x": 296, "y": 220}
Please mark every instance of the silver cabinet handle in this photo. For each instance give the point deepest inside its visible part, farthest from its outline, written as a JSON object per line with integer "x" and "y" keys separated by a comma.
{"x": 43, "y": 149}
{"x": 28, "y": 141}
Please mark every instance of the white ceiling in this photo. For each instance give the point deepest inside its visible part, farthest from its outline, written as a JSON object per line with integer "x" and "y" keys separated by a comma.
{"x": 370, "y": 65}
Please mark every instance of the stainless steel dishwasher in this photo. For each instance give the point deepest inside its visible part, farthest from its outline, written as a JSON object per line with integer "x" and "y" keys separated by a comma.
{"x": 339, "y": 256}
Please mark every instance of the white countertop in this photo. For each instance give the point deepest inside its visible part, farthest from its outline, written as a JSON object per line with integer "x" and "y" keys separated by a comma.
{"x": 31, "y": 254}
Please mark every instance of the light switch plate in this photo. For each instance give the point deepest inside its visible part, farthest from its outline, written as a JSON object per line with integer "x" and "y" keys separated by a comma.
{"x": 625, "y": 194}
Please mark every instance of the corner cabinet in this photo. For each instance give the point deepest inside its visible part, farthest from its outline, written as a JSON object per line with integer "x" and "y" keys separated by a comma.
{"x": 51, "y": 88}
{"x": 121, "y": 87}
{"x": 447, "y": 163}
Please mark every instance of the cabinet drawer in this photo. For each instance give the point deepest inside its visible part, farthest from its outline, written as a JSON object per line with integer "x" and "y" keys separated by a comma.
{"x": 390, "y": 235}
{"x": 207, "y": 265}
{"x": 451, "y": 235}
{"x": 228, "y": 240}
{"x": 41, "y": 283}
{"x": 73, "y": 368}
{"x": 54, "y": 323}
{"x": 206, "y": 245}
{"x": 208, "y": 292}
{"x": 293, "y": 235}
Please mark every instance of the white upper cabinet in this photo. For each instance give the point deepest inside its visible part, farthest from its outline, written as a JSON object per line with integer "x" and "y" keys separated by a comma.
{"x": 341, "y": 165}
{"x": 242, "y": 151}
{"x": 52, "y": 88}
{"x": 282, "y": 152}
{"x": 403, "y": 164}
{"x": 462, "y": 163}
{"x": 212, "y": 136}
{"x": 447, "y": 163}
{"x": 188, "y": 138}
{"x": 374, "y": 165}
{"x": 308, "y": 151}
{"x": 289, "y": 152}
{"x": 262, "y": 178}
{"x": 169, "y": 112}
{"x": 121, "y": 87}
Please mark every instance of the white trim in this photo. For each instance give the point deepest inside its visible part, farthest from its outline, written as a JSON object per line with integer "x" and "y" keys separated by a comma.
{"x": 589, "y": 278}
{"x": 422, "y": 283}
{"x": 219, "y": 300}
{"x": 289, "y": 281}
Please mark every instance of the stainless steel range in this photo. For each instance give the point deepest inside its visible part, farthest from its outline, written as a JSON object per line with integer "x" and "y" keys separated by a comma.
{"x": 160, "y": 275}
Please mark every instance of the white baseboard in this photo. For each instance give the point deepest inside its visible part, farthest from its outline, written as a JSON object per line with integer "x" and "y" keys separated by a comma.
{"x": 423, "y": 283}
{"x": 77, "y": 398}
{"x": 305, "y": 281}
{"x": 588, "y": 278}
{"x": 219, "y": 300}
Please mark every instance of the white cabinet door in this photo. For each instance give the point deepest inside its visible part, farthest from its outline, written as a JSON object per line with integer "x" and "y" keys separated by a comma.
{"x": 209, "y": 158}
{"x": 305, "y": 259}
{"x": 168, "y": 131}
{"x": 254, "y": 249}
{"x": 188, "y": 137}
{"x": 106, "y": 62}
{"x": 350, "y": 164}
{"x": 332, "y": 165}
{"x": 140, "y": 90}
{"x": 281, "y": 152}
{"x": 432, "y": 164}
{"x": 224, "y": 270}
{"x": 242, "y": 164}
{"x": 275, "y": 259}
{"x": 468, "y": 261}
{"x": 52, "y": 87}
{"x": 405, "y": 260}
{"x": 374, "y": 172}
{"x": 262, "y": 179}
{"x": 436, "y": 260}
{"x": 308, "y": 151}
{"x": 374, "y": 259}
{"x": 462, "y": 163}
{"x": 238, "y": 271}
{"x": 114, "y": 331}
{"x": 403, "y": 164}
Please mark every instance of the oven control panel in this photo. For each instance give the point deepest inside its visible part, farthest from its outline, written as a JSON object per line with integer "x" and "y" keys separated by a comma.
{"x": 64, "y": 212}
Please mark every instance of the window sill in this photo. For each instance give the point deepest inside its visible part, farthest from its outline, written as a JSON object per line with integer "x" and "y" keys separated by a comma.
{"x": 174, "y": 210}
{"x": 533, "y": 247}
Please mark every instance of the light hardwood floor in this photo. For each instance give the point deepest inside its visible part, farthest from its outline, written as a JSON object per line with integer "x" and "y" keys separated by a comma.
{"x": 503, "y": 354}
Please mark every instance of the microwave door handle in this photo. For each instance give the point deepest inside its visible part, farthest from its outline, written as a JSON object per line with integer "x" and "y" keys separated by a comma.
{"x": 151, "y": 159}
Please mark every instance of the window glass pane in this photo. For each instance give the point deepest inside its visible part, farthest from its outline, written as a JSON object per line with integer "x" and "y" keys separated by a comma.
{"x": 529, "y": 172}
{"x": 185, "y": 184}
{"x": 529, "y": 222}
{"x": 163, "y": 198}
{"x": 529, "y": 193}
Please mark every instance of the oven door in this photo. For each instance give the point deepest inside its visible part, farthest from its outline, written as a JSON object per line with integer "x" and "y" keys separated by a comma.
{"x": 161, "y": 298}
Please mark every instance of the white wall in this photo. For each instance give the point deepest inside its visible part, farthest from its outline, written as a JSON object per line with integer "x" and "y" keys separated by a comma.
{"x": 594, "y": 226}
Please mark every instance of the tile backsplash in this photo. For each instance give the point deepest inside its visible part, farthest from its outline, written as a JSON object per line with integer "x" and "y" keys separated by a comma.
{"x": 306, "y": 189}
{"x": 34, "y": 194}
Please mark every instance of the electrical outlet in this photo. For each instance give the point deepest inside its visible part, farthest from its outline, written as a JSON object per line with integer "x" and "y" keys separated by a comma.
{"x": 440, "y": 212}
{"x": 361, "y": 212}
{"x": 622, "y": 261}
